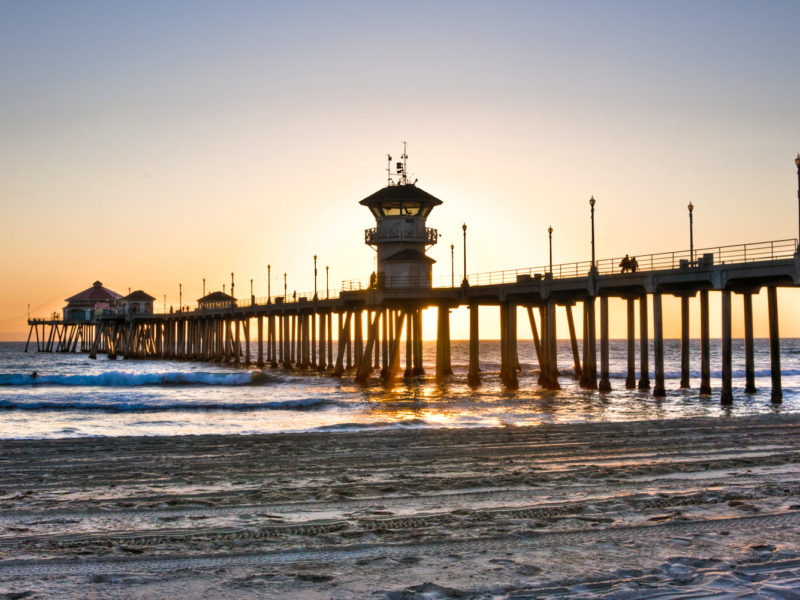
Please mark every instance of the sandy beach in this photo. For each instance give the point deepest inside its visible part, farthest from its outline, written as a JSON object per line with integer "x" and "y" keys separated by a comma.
{"x": 700, "y": 508}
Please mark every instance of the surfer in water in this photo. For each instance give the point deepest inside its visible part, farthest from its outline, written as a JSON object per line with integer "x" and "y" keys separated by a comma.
{"x": 34, "y": 375}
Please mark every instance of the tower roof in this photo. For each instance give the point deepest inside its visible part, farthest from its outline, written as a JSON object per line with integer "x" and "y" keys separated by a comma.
{"x": 96, "y": 293}
{"x": 138, "y": 296}
{"x": 216, "y": 297}
{"x": 400, "y": 193}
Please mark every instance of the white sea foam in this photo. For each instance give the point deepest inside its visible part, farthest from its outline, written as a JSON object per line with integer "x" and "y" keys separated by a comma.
{"x": 154, "y": 406}
{"x": 130, "y": 379}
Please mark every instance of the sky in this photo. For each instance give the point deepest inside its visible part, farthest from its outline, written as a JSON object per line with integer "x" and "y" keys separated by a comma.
{"x": 152, "y": 144}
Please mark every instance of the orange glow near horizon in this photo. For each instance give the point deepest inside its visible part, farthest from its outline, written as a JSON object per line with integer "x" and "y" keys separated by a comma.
{"x": 148, "y": 151}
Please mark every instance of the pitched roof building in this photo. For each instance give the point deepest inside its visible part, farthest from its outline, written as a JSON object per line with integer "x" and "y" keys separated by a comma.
{"x": 82, "y": 306}
{"x": 137, "y": 303}
{"x": 216, "y": 300}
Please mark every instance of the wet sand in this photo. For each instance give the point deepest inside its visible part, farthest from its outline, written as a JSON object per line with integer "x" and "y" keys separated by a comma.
{"x": 695, "y": 508}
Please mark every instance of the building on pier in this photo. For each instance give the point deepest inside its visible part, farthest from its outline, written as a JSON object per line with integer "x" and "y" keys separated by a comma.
{"x": 401, "y": 236}
{"x": 137, "y": 303}
{"x": 216, "y": 300}
{"x": 82, "y": 306}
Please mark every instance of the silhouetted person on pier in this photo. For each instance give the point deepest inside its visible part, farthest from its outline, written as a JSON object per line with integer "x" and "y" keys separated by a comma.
{"x": 633, "y": 264}
{"x": 625, "y": 264}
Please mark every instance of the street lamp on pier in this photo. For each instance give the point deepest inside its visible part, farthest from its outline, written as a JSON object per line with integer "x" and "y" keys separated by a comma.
{"x": 269, "y": 284}
{"x": 691, "y": 233}
{"x": 550, "y": 240}
{"x": 327, "y": 289}
{"x": 592, "y": 203}
{"x": 232, "y": 294}
{"x": 180, "y": 297}
{"x": 452, "y": 266}
{"x": 797, "y": 162}
{"x": 315, "y": 277}
{"x": 252, "y": 295}
{"x": 204, "y": 286}
{"x": 464, "y": 229}
{"x": 285, "y": 291}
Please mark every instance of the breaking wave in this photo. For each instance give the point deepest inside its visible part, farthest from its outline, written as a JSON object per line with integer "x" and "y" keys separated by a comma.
{"x": 377, "y": 425}
{"x": 144, "y": 406}
{"x": 128, "y": 379}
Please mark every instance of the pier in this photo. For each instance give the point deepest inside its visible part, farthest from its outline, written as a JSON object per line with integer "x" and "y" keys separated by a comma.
{"x": 358, "y": 330}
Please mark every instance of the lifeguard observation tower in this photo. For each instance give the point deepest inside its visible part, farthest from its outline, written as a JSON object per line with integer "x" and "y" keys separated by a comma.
{"x": 401, "y": 237}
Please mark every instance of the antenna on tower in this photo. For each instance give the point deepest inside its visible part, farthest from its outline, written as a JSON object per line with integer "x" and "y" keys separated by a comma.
{"x": 404, "y": 177}
{"x": 401, "y": 169}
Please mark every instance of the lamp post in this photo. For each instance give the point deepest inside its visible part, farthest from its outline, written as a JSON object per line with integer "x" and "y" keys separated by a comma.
{"x": 327, "y": 289}
{"x": 232, "y": 294}
{"x": 269, "y": 284}
{"x": 165, "y": 304}
{"x": 452, "y": 266}
{"x": 550, "y": 239}
{"x": 180, "y": 297}
{"x": 691, "y": 233}
{"x": 284, "y": 288}
{"x": 797, "y": 162}
{"x": 204, "y": 286}
{"x": 315, "y": 277}
{"x": 252, "y": 295}
{"x": 591, "y": 203}
{"x": 464, "y": 229}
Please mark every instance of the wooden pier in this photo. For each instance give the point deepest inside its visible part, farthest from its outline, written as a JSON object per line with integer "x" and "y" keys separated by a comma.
{"x": 56, "y": 335}
{"x": 370, "y": 322}
{"x": 359, "y": 329}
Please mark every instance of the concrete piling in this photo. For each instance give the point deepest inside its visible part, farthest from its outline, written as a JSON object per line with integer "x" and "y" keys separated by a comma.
{"x": 473, "y": 376}
{"x": 605, "y": 383}
{"x": 658, "y": 347}
{"x": 726, "y": 395}
{"x": 644, "y": 345}
{"x": 749, "y": 349}
{"x": 684, "y": 341}
{"x": 774, "y": 345}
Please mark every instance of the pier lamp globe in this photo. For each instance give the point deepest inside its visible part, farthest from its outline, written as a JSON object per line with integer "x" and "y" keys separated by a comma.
{"x": 550, "y": 239}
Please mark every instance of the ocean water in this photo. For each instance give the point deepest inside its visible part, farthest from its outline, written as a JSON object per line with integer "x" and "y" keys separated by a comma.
{"x": 74, "y": 396}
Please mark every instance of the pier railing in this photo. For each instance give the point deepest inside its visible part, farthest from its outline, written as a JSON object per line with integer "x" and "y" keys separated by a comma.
{"x": 660, "y": 261}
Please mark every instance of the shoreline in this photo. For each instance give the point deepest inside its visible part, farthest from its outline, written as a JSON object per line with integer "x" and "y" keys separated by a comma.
{"x": 578, "y": 510}
{"x": 399, "y": 427}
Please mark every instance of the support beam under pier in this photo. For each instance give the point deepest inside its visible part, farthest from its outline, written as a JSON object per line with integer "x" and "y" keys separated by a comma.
{"x": 774, "y": 345}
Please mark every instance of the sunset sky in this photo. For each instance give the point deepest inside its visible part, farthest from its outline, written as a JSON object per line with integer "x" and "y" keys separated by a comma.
{"x": 147, "y": 144}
